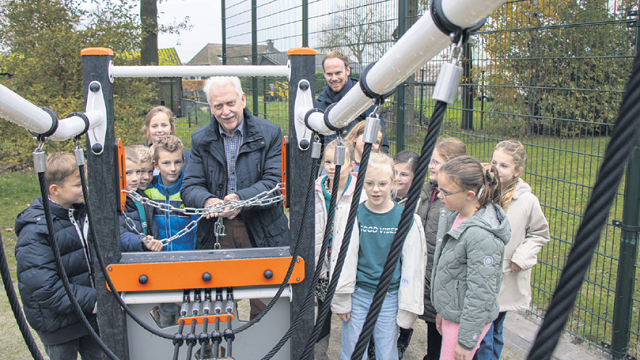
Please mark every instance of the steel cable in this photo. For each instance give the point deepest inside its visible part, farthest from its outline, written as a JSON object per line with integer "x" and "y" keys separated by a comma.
{"x": 623, "y": 140}
{"x": 316, "y": 274}
{"x": 15, "y": 305}
{"x": 355, "y": 201}
{"x": 403, "y": 229}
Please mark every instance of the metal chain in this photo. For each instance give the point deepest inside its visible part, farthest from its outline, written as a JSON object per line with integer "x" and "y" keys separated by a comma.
{"x": 261, "y": 199}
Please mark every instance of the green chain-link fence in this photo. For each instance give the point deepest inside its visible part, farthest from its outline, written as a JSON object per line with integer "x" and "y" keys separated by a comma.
{"x": 549, "y": 73}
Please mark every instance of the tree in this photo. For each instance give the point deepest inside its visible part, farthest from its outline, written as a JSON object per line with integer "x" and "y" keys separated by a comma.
{"x": 555, "y": 73}
{"x": 361, "y": 30}
{"x": 42, "y": 42}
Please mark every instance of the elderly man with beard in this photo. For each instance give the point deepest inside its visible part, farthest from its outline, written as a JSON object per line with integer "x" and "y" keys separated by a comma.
{"x": 336, "y": 71}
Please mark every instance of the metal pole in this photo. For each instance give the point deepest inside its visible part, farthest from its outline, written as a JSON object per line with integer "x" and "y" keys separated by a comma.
{"x": 422, "y": 84}
{"x": 223, "y": 23}
{"x": 401, "y": 90}
{"x": 302, "y": 67}
{"x": 305, "y": 23}
{"x": 254, "y": 52}
{"x": 623, "y": 305}
{"x": 467, "y": 89}
{"x": 101, "y": 171}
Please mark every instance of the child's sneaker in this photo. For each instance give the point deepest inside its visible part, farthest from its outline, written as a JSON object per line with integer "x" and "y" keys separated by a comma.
{"x": 403, "y": 341}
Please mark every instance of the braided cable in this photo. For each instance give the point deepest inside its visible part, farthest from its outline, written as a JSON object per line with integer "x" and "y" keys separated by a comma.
{"x": 316, "y": 274}
{"x": 15, "y": 305}
{"x": 61, "y": 271}
{"x": 178, "y": 340}
{"x": 323, "y": 312}
{"x": 103, "y": 267}
{"x": 403, "y": 229}
{"x": 623, "y": 140}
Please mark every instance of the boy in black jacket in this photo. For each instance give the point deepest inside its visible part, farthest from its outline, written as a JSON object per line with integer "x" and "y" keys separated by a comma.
{"x": 45, "y": 301}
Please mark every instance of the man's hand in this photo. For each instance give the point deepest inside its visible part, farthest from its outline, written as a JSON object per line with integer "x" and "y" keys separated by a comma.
{"x": 227, "y": 199}
{"x": 211, "y": 201}
{"x": 461, "y": 353}
{"x": 345, "y": 317}
{"x": 515, "y": 268}
{"x": 439, "y": 323}
{"x": 151, "y": 244}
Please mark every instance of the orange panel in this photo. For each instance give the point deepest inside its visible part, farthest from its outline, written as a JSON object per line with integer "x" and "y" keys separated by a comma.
{"x": 122, "y": 173}
{"x": 212, "y": 318}
{"x": 302, "y": 51}
{"x": 192, "y": 274}
{"x": 96, "y": 51}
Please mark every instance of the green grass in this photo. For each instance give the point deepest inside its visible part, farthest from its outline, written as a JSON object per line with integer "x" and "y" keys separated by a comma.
{"x": 17, "y": 190}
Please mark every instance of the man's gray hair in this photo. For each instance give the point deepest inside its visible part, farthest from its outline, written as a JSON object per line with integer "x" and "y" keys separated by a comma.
{"x": 217, "y": 81}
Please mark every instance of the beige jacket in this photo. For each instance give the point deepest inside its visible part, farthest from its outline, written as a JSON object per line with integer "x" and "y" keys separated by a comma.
{"x": 410, "y": 294}
{"x": 529, "y": 232}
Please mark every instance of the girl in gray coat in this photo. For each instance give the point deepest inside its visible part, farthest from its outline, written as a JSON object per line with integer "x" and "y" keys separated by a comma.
{"x": 467, "y": 271}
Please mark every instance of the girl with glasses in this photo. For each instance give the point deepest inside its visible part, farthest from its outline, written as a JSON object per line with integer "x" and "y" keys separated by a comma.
{"x": 467, "y": 270}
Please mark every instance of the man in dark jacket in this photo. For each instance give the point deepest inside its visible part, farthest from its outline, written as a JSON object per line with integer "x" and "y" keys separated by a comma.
{"x": 236, "y": 157}
{"x": 46, "y": 304}
{"x": 336, "y": 71}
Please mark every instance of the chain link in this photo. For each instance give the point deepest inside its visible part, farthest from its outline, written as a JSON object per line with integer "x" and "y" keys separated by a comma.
{"x": 262, "y": 199}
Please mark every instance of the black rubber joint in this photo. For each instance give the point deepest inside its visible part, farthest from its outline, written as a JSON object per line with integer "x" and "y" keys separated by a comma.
{"x": 364, "y": 86}
{"x": 54, "y": 124}
{"x": 447, "y": 27}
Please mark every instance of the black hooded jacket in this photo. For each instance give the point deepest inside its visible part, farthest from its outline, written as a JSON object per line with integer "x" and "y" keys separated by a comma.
{"x": 46, "y": 304}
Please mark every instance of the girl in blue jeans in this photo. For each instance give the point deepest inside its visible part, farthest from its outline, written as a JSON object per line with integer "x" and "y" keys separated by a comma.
{"x": 377, "y": 224}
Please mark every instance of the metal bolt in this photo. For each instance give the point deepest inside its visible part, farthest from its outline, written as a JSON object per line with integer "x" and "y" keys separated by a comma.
{"x": 109, "y": 269}
{"x": 297, "y": 279}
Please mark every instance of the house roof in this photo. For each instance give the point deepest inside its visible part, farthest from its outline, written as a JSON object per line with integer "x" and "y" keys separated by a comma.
{"x": 211, "y": 54}
{"x": 167, "y": 56}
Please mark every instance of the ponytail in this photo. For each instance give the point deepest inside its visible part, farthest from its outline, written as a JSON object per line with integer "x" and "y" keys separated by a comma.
{"x": 469, "y": 174}
{"x": 491, "y": 189}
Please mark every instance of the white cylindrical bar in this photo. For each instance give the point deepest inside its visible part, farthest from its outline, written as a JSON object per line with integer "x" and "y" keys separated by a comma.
{"x": 419, "y": 44}
{"x": 199, "y": 70}
{"x": 20, "y": 111}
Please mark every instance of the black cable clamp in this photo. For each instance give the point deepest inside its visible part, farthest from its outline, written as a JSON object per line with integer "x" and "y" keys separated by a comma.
{"x": 625, "y": 227}
{"x": 328, "y": 123}
{"x": 52, "y": 129}
{"x": 364, "y": 86}
{"x": 84, "y": 118}
{"x": 447, "y": 27}
{"x": 308, "y": 114}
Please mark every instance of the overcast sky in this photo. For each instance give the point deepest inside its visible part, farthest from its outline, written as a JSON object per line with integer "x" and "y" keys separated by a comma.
{"x": 204, "y": 16}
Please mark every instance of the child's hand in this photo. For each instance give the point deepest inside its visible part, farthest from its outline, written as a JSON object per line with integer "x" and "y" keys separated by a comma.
{"x": 151, "y": 244}
{"x": 515, "y": 268}
{"x": 439, "y": 323}
{"x": 344, "y": 317}
{"x": 461, "y": 353}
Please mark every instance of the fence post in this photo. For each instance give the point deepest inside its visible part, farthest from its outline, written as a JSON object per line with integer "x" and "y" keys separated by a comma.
{"x": 305, "y": 23}
{"x": 401, "y": 113}
{"x": 223, "y": 23}
{"x": 254, "y": 53}
{"x": 623, "y": 305}
{"x": 467, "y": 89}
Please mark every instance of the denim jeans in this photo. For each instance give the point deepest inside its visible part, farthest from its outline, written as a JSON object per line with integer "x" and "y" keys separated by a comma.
{"x": 492, "y": 343}
{"x": 86, "y": 346}
{"x": 385, "y": 333}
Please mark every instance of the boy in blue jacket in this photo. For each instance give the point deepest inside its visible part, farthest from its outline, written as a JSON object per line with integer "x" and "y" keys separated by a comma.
{"x": 168, "y": 159}
{"x": 46, "y": 304}
{"x": 137, "y": 218}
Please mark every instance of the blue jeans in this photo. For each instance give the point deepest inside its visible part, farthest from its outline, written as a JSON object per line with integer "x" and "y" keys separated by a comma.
{"x": 86, "y": 346}
{"x": 385, "y": 333}
{"x": 491, "y": 346}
